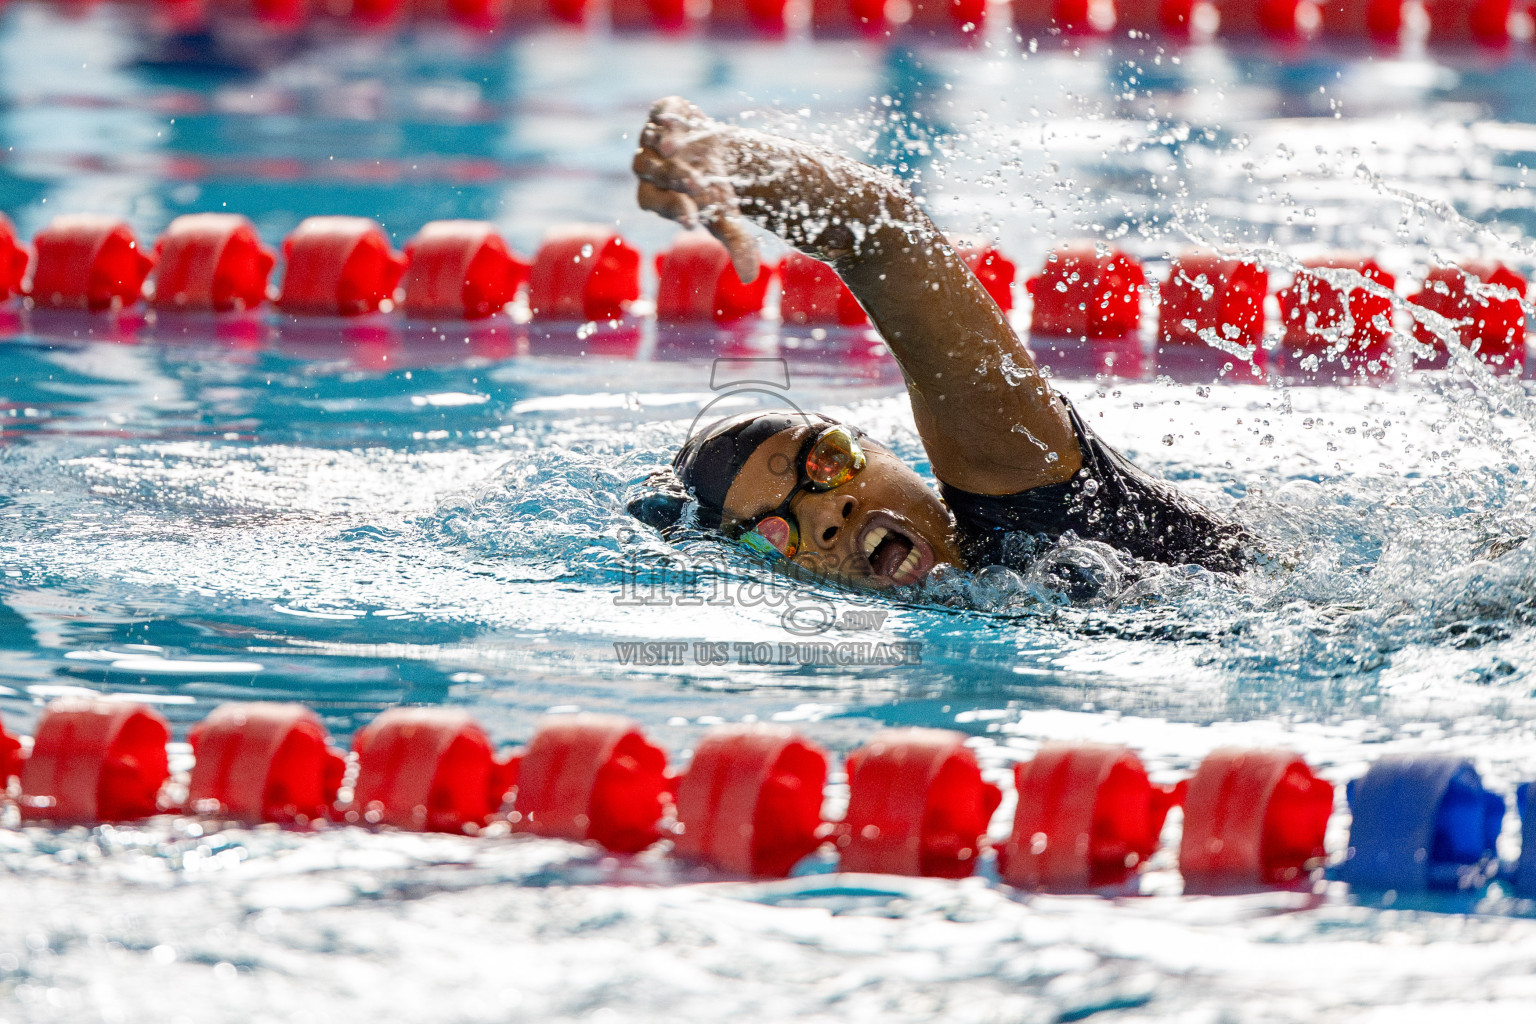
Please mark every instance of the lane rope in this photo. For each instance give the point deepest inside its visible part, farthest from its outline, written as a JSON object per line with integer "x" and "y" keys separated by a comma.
{"x": 1339, "y": 308}
{"x": 749, "y": 803}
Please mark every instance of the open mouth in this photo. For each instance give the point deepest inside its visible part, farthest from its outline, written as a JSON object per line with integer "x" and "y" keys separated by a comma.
{"x": 896, "y": 554}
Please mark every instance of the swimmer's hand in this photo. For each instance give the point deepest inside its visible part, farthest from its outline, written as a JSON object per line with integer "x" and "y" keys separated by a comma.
{"x": 684, "y": 164}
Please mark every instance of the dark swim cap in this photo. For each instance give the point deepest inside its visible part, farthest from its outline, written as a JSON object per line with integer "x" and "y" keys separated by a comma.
{"x": 707, "y": 464}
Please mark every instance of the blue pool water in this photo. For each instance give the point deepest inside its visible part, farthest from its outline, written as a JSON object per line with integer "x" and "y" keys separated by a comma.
{"x": 358, "y": 515}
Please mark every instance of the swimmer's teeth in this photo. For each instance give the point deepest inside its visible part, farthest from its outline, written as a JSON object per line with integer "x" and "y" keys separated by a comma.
{"x": 873, "y": 539}
{"x": 907, "y": 565}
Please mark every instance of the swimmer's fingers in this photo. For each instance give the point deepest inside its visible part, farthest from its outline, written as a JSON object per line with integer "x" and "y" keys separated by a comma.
{"x": 670, "y": 175}
{"x": 720, "y": 211}
{"x": 672, "y": 124}
{"x": 665, "y": 188}
{"x": 681, "y": 166}
{"x": 678, "y": 206}
{"x": 732, "y": 230}
{"x": 728, "y": 227}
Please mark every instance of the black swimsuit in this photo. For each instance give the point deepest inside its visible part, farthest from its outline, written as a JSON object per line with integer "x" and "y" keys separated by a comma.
{"x": 1109, "y": 500}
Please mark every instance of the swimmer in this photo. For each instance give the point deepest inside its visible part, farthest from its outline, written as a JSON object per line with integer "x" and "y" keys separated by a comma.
{"x": 1011, "y": 456}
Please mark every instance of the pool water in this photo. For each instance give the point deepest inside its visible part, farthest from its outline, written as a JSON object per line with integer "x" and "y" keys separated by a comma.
{"x": 360, "y": 514}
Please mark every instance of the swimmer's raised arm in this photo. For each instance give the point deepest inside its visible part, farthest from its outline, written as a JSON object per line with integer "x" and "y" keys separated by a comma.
{"x": 986, "y": 416}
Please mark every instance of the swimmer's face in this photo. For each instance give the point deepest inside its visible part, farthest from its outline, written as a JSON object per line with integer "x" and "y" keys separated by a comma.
{"x": 882, "y": 528}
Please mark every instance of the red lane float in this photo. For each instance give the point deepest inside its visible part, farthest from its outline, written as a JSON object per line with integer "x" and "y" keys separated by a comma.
{"x": 698, "y": 282}
{"x": 639, "y": 15}
{"x": 849, "y": 17}
{"x": 485, "y": 15}
{"x": 948, "y": 16}
{"x": 460, "y": 269}
{"x": 1087, "y": 818}
{"x": 1273, "y": 19}
{"x": 1320, "y": 318}
{"x": 428, "y": 770}
{"x": 1493, "y": 326}
{"x": 212, "y": 262}
{"x": 1252, "y": 818}
{"x": 583, "y": 272}
{"x": 1155, "y": 17}
{"x": 281, "y": 13}
{"x": 338, "y": 266}
{"x": 481, "y": 15}
{"x": 751, "y": 801}
{"x": 13, "y": 259}
{"x": 10, "y": 756}
{"x": 375, "y": 12}
{"x": 572, "y": 12}
{"x": 95, "y": 760}
{"x": 917, "y": 805}
{"x": 1464, "y": 22}
{"x": 995, "y": 271}
{"x": 1381, "y": 20}
{"x": 1206, "y": 293}
{"x": 812, "y": 295}
{"x": 1069, "y": 17}
{"x": 263, "y": 762}
{"x": 88, "y": 261}
{"x": 757, "y": 17}
{"x": 1087, "y": 292}
{"x": 592, "y": 777}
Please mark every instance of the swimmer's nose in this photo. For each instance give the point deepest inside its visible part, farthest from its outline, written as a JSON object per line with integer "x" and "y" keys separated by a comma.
{"x": 825, "y": 517}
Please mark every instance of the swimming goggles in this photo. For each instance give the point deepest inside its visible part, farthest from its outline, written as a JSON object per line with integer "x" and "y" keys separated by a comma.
{"x": 825, "y": 462}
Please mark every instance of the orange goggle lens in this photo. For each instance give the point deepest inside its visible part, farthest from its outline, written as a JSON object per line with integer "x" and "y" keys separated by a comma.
{"x": 834, "y": 458}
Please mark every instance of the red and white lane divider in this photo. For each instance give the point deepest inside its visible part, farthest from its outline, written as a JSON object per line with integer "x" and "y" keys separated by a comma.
{"x": 1486, "y": 24}
{"x": 749, "y": 803}
{"x": 1338, "y": 307}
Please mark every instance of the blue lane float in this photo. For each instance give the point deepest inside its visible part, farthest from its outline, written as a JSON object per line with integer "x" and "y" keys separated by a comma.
{"x": 1525, "y": 869}
{"x": 1422, "y": 822}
